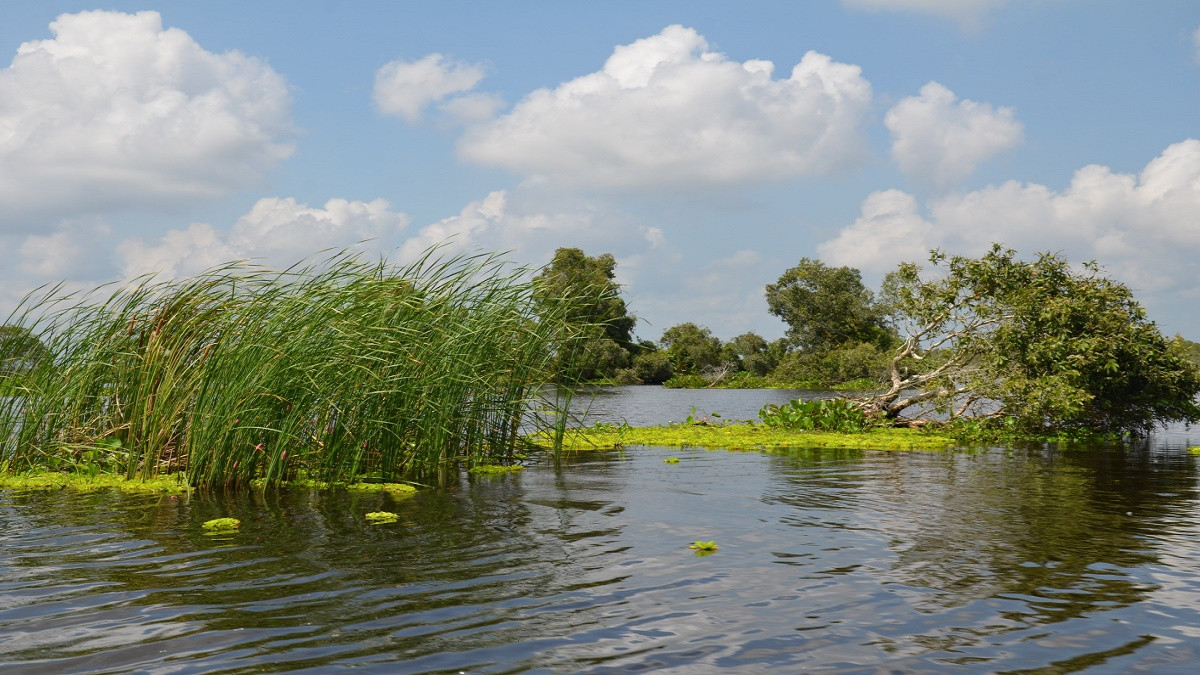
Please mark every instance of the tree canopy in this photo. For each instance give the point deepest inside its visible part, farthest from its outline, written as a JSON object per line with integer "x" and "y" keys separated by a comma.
{"x": 19, "y": 349}
{"x": 583, "y": 289}
{"x": 827, "y": 307}
{"x": 1037, "y": 346}
{"x": 691, "y": 348}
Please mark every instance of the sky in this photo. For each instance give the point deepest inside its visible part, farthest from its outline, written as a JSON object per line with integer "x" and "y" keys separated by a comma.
{"x": 709, "y": 146}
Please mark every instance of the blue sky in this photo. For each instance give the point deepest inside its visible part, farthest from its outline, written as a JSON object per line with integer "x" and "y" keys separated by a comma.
{"x": 707, "y": 145}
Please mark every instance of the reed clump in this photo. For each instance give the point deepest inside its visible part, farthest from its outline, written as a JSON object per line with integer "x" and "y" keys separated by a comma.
{"x": 337, "y": 368}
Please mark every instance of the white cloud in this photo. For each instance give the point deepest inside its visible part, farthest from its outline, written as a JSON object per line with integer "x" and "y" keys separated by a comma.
{"x": 1196, "y": 43}
{"x": 938, "y": 139}
{"x": 117, "y": 112}
{"x": 524, "y": 225}
{"x": 459, "y": 232}
{"x": 665, "y": 111}
{"x": 889, "y": 230}
{"x": 69, "y": 251}
{"x": 275, "y": 231}
{"x": 967, "y": 13}
{"x": 655, "y": 237}
{"x": 472, "y": 108}
{"x": 1142, "y": 227}
{"x": 405, "y": 88}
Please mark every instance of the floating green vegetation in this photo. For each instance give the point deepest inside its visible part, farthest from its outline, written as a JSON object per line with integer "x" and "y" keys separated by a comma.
{"x": 748, "y": 437}
{"x": 335, "y": 369}
{"x": 704, "y": 548}
{"x": 381, "y": 517}
{"x": 222, "y": 525}
{"x": 495, "y": 469}
{"x": 58, "y": 480}
{"x": 1193, "y": 449}
{"x": 671, "y": 460}
{"x": 397, "y": 489}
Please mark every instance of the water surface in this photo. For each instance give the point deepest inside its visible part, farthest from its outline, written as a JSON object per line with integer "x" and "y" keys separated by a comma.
{"x": 854, "y": 561}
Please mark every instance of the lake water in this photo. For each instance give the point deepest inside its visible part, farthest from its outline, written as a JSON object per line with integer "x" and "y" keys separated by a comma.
{"x": 850, "y": 561}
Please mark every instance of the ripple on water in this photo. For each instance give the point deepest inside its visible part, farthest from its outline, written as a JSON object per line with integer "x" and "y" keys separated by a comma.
{"x": 990, "y": 560}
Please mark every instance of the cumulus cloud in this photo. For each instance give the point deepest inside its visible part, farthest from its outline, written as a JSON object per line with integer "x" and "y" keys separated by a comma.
{"x": 526, "y": 226}
{"x": 459, "y": 231}
{"x": 276, "y": 231}
{"x": 405, "y": 88}
{"x": 889, "y": 230}
{"x": 115, "y": 111}
{"x": 665, "y": 111}
{"x": 1142, "y": 227}
{"x": 967, "y": 13}
{"x": 938, "y": 139}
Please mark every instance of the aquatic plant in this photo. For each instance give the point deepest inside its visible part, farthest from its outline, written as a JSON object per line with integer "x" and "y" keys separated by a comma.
{"x": 87, "y": 482}
{"x": 395, "y": 489}
{"x": 835, "y": 414}
{"x": 222, "y": 524}
{"x": 493, "y": 469}
{"x": 708, "y": 546}
{"x": 750, "y": 437}
{"x": 337, "y": 368}
{"x": 381, "y": 517}
{"x": 671, "y": 460}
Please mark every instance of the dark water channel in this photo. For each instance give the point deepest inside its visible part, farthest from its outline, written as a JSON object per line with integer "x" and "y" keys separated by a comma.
{"x": 993, "y": 560}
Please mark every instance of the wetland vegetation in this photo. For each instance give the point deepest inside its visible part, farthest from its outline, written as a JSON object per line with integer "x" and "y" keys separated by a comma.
{"x": 341, "y": 372}
{"x": 333, "y": 371}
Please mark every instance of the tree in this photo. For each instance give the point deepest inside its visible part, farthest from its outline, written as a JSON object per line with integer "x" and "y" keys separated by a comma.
{"x": 1035, "y": 344}
{"x": 691, "y": 349}
{"x": 652, "y": 367}
{"x": 827, "y": 307}
{"x": 580, "y": 290}
{"x": 20, "y": 349}
{"x": 750, "y": 352}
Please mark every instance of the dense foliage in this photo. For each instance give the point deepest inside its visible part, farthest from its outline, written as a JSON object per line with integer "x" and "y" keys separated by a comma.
{"x": 598, "y": 331}
{"x": 20, "y": 350}
{"x": 1036, "y": 346}
{"x": 691, "y": 349}
{"x": 827, "y": 307}
{"x": 338, "y": 370}
{"x": 834, "y": 414}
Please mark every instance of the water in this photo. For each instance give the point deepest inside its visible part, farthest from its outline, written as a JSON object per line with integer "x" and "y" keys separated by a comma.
{"x": 853, "y": 561}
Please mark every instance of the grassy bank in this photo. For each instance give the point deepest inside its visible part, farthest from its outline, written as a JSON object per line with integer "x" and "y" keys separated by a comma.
{"x": 748, "y": 437}
{"x": 337, "y": 369}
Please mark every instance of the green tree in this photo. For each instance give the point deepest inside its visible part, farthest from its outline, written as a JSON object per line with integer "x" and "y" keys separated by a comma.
{"x": 652, "y": 367}
{"x": 20, "y": 349}
{"x": 751, "y": 353}
{"x": 827, "y": 307}
{"x": 1036, "y": 344}
{"x": 851, "y": 362}
{"x": 581, "y": 289}
{"x": 691, "y": 348}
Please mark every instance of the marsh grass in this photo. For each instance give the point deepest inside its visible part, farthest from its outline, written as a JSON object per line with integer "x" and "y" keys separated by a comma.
{"x": 337, "y": 368}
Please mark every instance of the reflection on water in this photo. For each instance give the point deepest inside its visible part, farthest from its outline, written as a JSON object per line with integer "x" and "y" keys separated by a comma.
{"x": 996, "y": 560}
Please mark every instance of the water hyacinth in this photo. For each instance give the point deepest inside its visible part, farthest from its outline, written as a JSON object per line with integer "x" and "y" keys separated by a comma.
{"x": 339, "y": 368}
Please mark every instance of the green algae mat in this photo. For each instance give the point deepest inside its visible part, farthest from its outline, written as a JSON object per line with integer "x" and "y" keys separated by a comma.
{"x": 746, "y": 437}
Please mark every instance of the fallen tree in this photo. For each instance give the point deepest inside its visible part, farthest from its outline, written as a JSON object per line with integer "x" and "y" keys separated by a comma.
{"x": 1034, "y": 347}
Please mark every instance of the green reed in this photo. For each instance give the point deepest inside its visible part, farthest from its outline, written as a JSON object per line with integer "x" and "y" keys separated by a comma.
{"x": 338, "y": 369}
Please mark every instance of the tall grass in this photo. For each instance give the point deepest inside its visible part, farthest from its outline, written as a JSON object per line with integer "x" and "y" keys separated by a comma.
{"x": 339, "y": 368}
